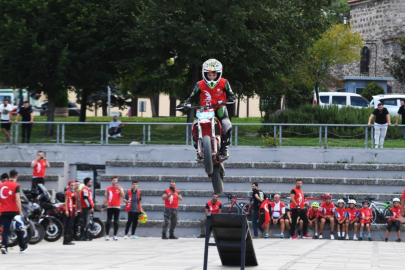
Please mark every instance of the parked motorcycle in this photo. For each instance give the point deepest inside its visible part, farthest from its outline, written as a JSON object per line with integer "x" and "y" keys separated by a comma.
{"x": 207, "y": 131}
{"x": 31, "y": 212}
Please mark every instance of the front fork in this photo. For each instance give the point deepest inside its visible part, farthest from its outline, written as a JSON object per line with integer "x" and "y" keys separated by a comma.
{"x": 217, "y": 144}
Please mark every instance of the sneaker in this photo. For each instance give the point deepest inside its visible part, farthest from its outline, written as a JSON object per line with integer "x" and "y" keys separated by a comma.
{"x": 347, "y": 237}
{"x": 355, "y": 238}
{"x": 332, "y": 237}
{"x": 126, "y": 237}
{"x": 320, "y": 236}
{"x": 267, "y": 235}
{"x": 108, "y": 135}
{"x": 370, "y": 239}
{"x": 115, "y": 238}
{"x": 23, "y": 249}
{"x": 360, "y": 238}
{"x": 381, "y": 147}
{"x": 281, "y": 235}
{"x": 376, "y": 146}
{"x": 386, "y": 239}
{"x": 315, "y": 237}
{"x": 307, "y": 236}
{"x": 134, "y": 237}
{"x": 118, "y": 135}
{"x": 107, "y": 237}
{"x": 3, "y": 250}
{"x": 398, "y": 240}
{"x": 294, "y": 237}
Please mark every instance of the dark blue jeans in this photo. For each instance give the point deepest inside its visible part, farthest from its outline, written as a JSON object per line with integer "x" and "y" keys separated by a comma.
{"x": 255, "y": 217}
{"x": 6, "y": 222}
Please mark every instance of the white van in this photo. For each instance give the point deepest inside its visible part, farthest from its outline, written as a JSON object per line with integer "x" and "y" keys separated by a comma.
{"x": 341, "y": 99}
{"x": 391, "y": 101}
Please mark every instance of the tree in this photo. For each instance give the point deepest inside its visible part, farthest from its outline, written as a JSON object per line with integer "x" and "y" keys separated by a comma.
{"x": 256, "y": 41}
{"x": 338, "y": 45}
{"x": 339, "y": 10}
{"x": 397, "y": 68}
{"x": 372, "y": 89}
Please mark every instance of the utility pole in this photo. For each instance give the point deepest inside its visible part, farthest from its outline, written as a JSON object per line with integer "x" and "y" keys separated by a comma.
{"x": 108, "y": 100}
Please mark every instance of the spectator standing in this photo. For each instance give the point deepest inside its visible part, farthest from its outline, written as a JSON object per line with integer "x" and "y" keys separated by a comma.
{"x": 78, "y": 212}
{"x": 394, "y": 220}
{"x": 27, "y": 115}
{"x": 313, "y": 218}
{"x": 115, "y": 128}
{"x": 381, "y": 123}
{"x": 87, "y": 203}
{"x": 4, "y": 178}
{"x": 340, "y": 214}
{"x": 39, "y": 164}
{"x": 401, "y": 114}
{"x": 257, "y": 196}
{"x": 171, "y": 197}
{"x": 9, "y": 208}
{"x": 213, "y": 206}
{"x": 70, "y": 212}
{"x": 5, "y": 110}
{"x": 297, "y": 210}
{"x": 113, "y": 197}
{"x": 352, "y": 218}
{"x": 134, "y": 208}
{"x": 277, "y": 213}
{"x": 366, "y": 215}
{"x": 327, "y": 213}
{"x": 264, "y": 217}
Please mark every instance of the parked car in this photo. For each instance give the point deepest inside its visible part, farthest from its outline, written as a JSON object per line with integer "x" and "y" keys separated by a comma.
{"x": 391, "y": 101}
{"x": 72, "y": 108}
{"x": 341, "y": 99}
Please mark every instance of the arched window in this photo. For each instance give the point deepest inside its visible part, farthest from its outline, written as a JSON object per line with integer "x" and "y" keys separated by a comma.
{"x": 365, "y": 60}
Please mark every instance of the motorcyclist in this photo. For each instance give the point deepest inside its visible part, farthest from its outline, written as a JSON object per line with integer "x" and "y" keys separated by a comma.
{"x": 214, "y": 89}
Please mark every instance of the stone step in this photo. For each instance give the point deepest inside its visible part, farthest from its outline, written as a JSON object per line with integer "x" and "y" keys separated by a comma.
{"x": 51, "y": 181}
{"x": 352, "y": 170}
{"x": 241, "y": 183}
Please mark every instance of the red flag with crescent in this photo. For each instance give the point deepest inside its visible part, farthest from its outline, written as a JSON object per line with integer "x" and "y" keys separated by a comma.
{"x": 264, "y": 209}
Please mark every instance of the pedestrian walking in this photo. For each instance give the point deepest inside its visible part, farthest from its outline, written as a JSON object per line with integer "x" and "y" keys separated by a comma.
{"x": 257, "y": 196}
{"x": 213, "y": 206}
{"x": 297, "y": 210}
{"x": 87, "y": 204}
{"x": 10, "y": 209}
{"x": 112, "y": 200}
{"x": 381, "y": 123}
{"x": 39, "y": 164}
{"x": 134, "y": 208}
{"x": 70, "y": 212}
{"x": 27, "y": 115}
{"x": 5, "y": 110}
{"x": 171, "y": 197}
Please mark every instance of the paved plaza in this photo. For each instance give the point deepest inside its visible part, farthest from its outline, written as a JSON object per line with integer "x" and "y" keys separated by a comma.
{"x": 187, "y": 254}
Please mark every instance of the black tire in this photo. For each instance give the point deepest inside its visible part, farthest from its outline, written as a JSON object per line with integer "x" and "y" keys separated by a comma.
{"x": 38, "y": 234}
{"x": 217, "y": 182}
{"x": 208, "y": 155}
{"x": 13, "y": 240}
{"x": 53, "y": 232}
{"x": 375, "y": 216}
{"x": 96, "y": 230}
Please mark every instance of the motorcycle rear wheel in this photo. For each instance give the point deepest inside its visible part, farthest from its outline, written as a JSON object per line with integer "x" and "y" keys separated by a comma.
{"x": 217, "y": 182}
{"x": 208, "y": 154}
{"x": 38, "y": 235}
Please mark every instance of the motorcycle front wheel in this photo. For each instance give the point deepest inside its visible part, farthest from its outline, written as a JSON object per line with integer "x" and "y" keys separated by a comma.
{"x": 96, "y": 229}
{"x": 53, "y": 231}
{"x": 217, "y": 182}
{"x": 207, "y": 154}
{"x": 39, "y": 234}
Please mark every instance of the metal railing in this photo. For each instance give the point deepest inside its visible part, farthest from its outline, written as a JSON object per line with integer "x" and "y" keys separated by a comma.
{"x": 180, "y": 133}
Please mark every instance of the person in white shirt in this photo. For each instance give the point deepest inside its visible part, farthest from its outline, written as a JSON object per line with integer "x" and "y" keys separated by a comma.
{"x": 115, "y": 128}
{"x": 5, "y": 110}
{"x": 277, "y": 214}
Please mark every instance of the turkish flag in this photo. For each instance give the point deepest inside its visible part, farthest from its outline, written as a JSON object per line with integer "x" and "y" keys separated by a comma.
{"x": 264, "y": 213}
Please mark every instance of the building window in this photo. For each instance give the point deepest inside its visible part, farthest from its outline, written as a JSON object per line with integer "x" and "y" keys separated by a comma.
{"x": 365, "y": 61}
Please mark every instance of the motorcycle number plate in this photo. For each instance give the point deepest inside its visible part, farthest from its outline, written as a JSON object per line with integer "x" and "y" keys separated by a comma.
{"x": 205, "y": 115}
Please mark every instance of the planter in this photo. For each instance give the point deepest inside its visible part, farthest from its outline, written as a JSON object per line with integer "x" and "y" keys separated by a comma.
{"x": 61, "y": 112}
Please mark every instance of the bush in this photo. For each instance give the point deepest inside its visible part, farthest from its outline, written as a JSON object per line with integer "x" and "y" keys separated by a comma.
{"x": 372, "y": 89}
{"x": 62, "y": 100}
{"x": 309, "y": 114}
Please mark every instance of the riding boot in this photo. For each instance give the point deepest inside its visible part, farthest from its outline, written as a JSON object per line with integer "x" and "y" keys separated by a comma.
{"x": 164, "y": 236}
{"x": 66, "y": 240}
{"x": 172, "y": 236}
{"x": 224, "y": 145}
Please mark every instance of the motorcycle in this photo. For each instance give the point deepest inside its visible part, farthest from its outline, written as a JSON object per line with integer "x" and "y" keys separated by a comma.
{"x": 31, "y": 212}
{"x": 207, "y": 132}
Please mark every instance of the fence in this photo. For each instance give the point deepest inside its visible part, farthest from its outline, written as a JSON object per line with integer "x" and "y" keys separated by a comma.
{"x": 248, "y": 134}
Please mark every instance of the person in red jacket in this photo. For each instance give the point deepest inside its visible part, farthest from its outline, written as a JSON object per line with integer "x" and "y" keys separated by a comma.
{"x": 134, "y": 208}
{"x": 327, "y": 213}
{"x": 171, "y": 197}
{"x": 277, "y": 213}
{"x": 113, "y": 196}
{"x": 214, "y": 89}
{"x": 313, "y": 218}
{"x": 70, "y": 212}
{"x": 10, "y": 207}
{"x": 39, "y": 165}
{"x": 297, "y": 210}
{"x": 394, "y": 220}
{"x": 352, "y": 218}
{"x": 340, "y": 215}
{"x": 366, "y": 215}
{"x": 213, "y": 206}
{"x": 87, "y": 204}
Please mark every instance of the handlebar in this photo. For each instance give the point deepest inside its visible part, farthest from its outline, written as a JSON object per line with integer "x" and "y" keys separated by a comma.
{"x": 181, "y": 107}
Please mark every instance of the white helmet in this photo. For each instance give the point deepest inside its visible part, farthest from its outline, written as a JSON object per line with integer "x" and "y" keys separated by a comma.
{"x": 340, "y": 201}
{"x": 18, "y": 223}
{"x": 352, "y": 201}
{"x": 396, "y": 200}
{"x": 212, "y": 65}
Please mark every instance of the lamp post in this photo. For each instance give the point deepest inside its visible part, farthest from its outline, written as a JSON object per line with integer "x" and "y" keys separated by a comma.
{"x": 376, "y": 54}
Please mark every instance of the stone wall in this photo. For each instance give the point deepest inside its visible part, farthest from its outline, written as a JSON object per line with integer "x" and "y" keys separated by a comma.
{"x": 380, "y": 22}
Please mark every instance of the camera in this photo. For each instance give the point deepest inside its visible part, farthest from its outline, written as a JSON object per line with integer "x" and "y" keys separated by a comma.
{"x": 172, "y": 189}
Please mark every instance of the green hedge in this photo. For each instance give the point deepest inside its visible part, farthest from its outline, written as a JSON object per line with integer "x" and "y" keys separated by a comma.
{"x": 309, "y": 114}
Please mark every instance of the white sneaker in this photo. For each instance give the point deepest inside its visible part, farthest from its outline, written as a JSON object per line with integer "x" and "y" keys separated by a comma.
{"x": 347, "y": 237}
{"x": 3, "y": 250}
{"x": 134, "y": 237}
{"x": 355, "y": 238}
{"x": 107, "y": 237}
{"x": 381, "y": 147}
{"x": 115, "y": 238}
{"x": 376, "y": 146}
{"x": 126, "y": 237}
{"x": 332, "y": 237}
{"x": 108, "y": 135}
{"x": 320, "y": 236}
{"x": 114, "y": 136}
{"x": 118, "y": 135}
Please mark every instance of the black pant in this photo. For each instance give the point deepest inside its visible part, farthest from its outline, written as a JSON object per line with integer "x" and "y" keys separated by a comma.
{"x": 86, "y": 219}
{"x": 69, "y": 221}
{"x": 113, "y": 131}
{"x": 76, "y": 224}
{"x": 6, "y": 221}
{"x": 36, "y": 181}
{"x": 26, "y": 130}
{"x": 132, "y": 219}
{"x": 294, "y": 216}
{"x": 110, "y": 213}
{"x": 396, "y": 223}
